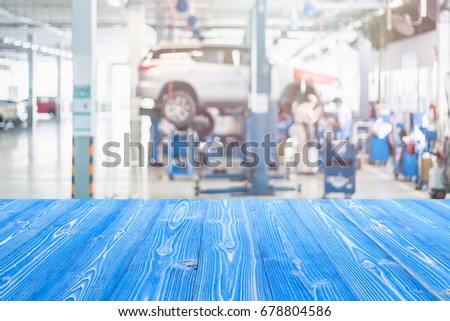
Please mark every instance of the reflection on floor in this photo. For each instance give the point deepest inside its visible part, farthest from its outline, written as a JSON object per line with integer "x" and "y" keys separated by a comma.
{"x": 37, "y": 164}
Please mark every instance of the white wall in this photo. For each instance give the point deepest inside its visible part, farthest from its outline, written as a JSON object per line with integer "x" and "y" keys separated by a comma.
{"x": 407, "y": 76}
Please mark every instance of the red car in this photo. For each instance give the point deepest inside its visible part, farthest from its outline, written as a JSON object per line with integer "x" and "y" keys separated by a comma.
{"x": 46, "y": 105}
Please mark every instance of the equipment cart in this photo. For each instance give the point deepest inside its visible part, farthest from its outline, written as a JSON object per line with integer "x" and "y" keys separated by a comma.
{"x": 340, "y": 172}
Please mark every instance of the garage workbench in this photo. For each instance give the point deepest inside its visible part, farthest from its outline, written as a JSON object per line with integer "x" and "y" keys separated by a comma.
{"x": 224, "y": 250}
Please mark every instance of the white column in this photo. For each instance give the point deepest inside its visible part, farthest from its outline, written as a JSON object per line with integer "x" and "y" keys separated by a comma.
{"x": 443, "y": 30}
{"x": 59, "y": 86}
{"x": 84, "y": 27}
{"x": 136, "y": 28}
{"x": 31, "y": 92}
{"x": 364, "y": 68}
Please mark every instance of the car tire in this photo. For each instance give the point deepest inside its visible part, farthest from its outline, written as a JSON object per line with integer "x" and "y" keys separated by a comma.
{"x": 179, "y": 109}
{"x": 52, "y": 112}
{"x": 203, "y": 124}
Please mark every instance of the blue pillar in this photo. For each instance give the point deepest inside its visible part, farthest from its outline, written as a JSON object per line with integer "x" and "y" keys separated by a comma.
{"x": 259, "y": 97}
{"x": 84, "y": 26}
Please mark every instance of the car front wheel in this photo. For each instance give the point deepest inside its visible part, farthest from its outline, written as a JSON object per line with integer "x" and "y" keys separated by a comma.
{"x": 179, "y": 109}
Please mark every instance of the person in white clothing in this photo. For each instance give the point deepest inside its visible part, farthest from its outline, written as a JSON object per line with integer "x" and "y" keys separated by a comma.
{"x": 306, "y": 115}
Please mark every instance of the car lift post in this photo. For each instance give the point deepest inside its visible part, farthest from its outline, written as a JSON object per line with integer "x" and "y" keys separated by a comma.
{"x": 259, "y": 98}
{"x": 260, "y": 115}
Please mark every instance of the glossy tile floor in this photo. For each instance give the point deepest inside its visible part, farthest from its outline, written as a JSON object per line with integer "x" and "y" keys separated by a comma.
{"x": 37, "y": 164}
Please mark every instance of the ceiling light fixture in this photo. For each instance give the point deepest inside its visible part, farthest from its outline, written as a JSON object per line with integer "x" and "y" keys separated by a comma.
{"x": 8, "y": 40}
{"x": 115, "y": 3}
{"x": 396, "y": 4}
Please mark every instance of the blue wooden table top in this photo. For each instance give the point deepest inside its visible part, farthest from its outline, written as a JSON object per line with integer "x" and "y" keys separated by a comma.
{"x": 224, "y": 250}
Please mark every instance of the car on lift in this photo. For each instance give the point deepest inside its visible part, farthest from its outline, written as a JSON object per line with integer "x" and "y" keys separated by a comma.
{"x": 182, "y": 80}
{"x": 12, "y": 111}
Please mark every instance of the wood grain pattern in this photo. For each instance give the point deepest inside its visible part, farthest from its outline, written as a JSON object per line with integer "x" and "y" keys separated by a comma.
{"x": 424, "y": 262}
{"x": 165, "y": 266}
{"x": 104, "y": 257}
{"x": 30, "y": 223}
{"x": 29, "y": 267}
{"x": 12, "y": 210}
{"x": 428, "y": 226}
{"x": 224, "y": 250}
{"x": 440, "y": 210}
{"x": 230, "y": 264}
{"x": 371, "y": 273}
{"x": 297, "y": 268}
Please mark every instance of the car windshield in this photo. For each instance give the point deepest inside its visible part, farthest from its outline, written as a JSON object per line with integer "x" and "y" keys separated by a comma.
{"x": 229, "y": 56}
{"x": 164, "y": 52}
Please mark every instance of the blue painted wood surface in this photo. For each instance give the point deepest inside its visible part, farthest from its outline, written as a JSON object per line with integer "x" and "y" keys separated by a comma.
{"x": 230, "y": 262}
{"x": 224, "y": 250}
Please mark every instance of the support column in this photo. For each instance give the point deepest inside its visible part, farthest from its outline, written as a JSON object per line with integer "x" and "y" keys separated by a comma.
{"x": 364, "y": 69}
{"x": 443, "y": 97}
{"x": 59, "y": 87}
{"x": 136, "y": 27}
{"x": 31, "y": 92}
{"x": 160, "y": 23}
{"x": 84, "y": 27}
{"x": 259, "y": 102}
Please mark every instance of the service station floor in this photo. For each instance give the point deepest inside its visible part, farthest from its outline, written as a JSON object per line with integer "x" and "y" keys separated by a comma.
{"x": 37, "y": 163}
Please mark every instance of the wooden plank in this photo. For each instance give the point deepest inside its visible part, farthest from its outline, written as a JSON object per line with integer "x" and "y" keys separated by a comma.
{"x": 422, "y": 261}
{"x": 371, "y": 273}
{"x": 29, "y": 267}
{"x": 4, "y": 203}
{"x": 95, "y": 271}
{"x": 429, "y": 227}
{"x": 296, "y": 266}
{"x": 12, "y": 210}
{"x": 230, "y": 264}
{"x": 440, "y": 210}
{"x": 165, "y": 266}
{"x": 31, "y": 221}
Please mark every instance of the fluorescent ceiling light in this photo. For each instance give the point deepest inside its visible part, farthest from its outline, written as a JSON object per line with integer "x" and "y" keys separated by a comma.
{"x": 26, "y": 45}
{"x": 396, "y": 3}
{"x": 115, "y": 3}
{"x": 379, "y": 12}
{"x": 8, "y": 40}
{"x": 17, "y": 43}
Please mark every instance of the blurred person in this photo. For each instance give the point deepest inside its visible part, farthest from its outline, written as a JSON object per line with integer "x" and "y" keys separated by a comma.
{"x": 342, "y": 124}
{"x": 306, "y": 116}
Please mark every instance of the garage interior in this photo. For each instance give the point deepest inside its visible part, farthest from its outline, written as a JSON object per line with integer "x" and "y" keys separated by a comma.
{"x": 87, "y": 68}
{"x": 185, "y": 150}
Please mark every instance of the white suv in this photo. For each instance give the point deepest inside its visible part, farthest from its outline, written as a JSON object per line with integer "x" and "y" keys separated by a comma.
{"x": 182, "y": 80}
